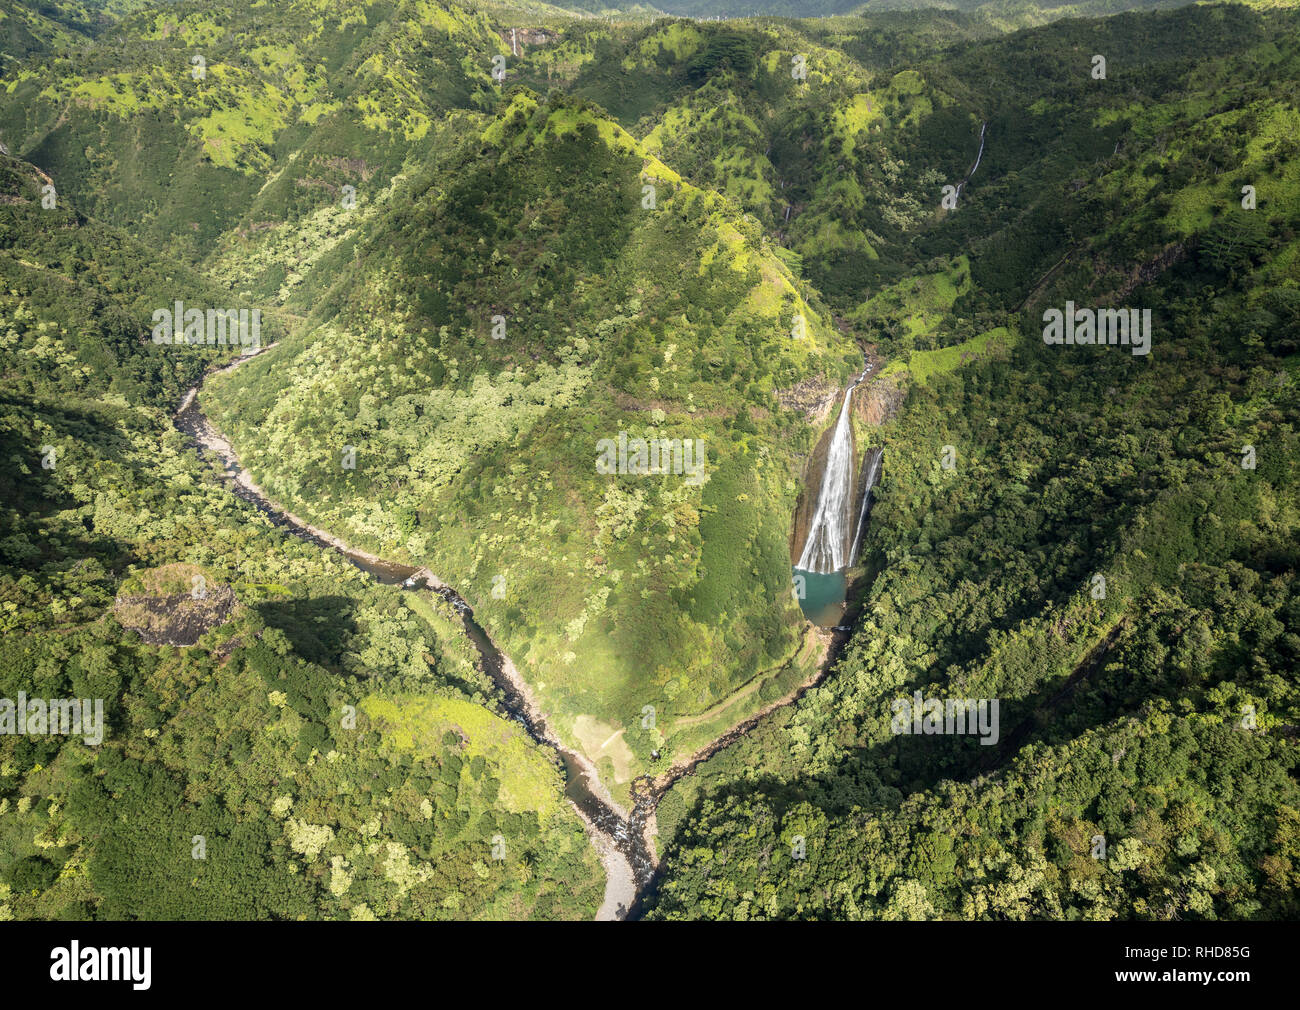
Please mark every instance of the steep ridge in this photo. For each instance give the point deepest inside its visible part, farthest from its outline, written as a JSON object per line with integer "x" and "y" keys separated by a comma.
{"x": 486, "y": 293}
{"x": 185, "y": 122}
{"x": 333, "y": 745}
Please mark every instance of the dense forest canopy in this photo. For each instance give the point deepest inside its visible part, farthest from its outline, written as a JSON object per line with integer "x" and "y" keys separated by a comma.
{"x": 482, "y": 239}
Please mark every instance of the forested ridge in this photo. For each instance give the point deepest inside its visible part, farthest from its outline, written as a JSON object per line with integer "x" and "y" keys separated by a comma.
{"x": 228, "y": 785}
{"x": 651, "y": 226}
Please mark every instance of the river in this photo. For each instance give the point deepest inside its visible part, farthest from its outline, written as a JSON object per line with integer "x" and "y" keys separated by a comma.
{"x": 621, "y": 839}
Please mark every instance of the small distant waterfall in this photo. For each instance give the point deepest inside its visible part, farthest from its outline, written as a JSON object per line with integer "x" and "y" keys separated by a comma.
{"x": 825, "y": 550}
{"x": 978, "y": 157}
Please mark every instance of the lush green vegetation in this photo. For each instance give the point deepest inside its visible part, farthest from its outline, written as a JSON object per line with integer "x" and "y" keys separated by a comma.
{"x": 232, "y": 782}
{"x": 1159, "y": 717}
{"x": 652, "y": 226}
{"x": 477, "y": 456}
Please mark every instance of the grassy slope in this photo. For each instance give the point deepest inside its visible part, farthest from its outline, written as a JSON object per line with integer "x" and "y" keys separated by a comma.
{"x": 285, "y": 110}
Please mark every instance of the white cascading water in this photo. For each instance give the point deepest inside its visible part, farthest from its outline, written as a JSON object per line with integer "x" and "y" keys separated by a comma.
{"x": 823, "y": 551}
{"x": 979, "y": 155}
{"x": 866, "y": 501}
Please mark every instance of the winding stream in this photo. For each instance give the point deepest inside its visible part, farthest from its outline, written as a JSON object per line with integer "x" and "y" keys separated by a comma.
{"x": 622, "y": 839}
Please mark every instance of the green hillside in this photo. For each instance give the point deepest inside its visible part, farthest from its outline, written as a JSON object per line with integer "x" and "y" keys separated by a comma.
{"x": 169, "y": 817}
{"x": 492, "y": 246}
{"x": 476, "y": 456}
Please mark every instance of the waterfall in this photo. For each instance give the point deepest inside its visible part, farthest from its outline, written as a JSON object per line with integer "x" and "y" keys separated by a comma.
{"x": 978, "y": 157}
{"x": 980, "y": 154}
{"x": 824, "y": 550}
{"x": 866, "y": 503}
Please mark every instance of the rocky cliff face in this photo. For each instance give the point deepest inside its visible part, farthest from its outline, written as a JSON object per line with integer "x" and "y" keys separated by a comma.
{"x": 815, "y": 397}
{"x": 876, "y": 402}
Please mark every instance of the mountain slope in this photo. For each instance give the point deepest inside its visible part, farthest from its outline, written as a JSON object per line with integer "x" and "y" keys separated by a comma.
{"x": 1103, "y": 542}
{"x": 478, "y": 456}
{"x": 225, "y": 779}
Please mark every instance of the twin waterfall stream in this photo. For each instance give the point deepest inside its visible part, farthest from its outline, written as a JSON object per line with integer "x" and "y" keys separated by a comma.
{"x": 836, "y": 527}
{"x": 827, "y": 548}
